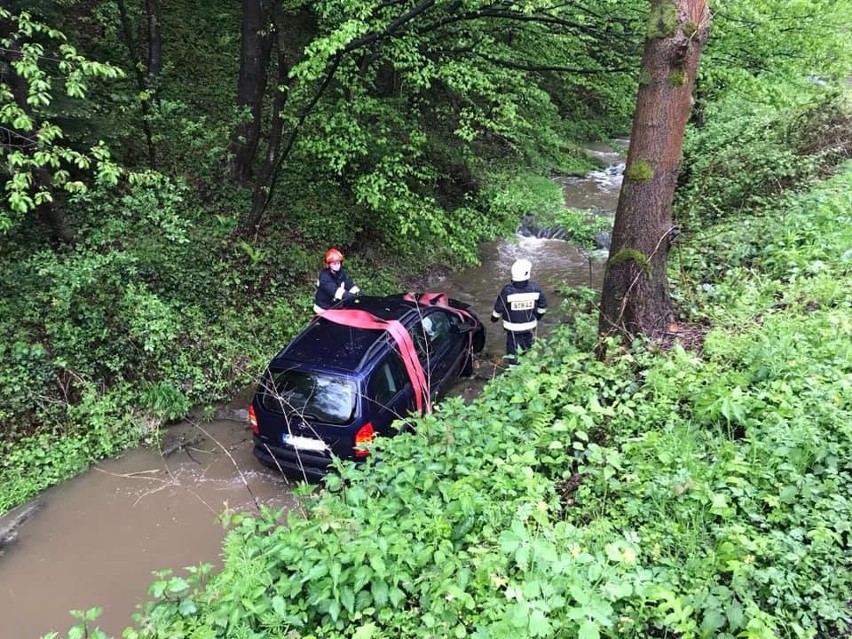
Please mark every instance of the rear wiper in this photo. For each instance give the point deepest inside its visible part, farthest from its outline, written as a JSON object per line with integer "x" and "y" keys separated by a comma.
{"x": 302, "y": 415}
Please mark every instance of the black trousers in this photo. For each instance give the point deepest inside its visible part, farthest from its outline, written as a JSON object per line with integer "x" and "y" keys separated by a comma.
{"x": 516, "y": 342}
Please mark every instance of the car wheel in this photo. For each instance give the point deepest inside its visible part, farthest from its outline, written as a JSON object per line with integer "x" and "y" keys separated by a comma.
{"x": 479, "y": 341}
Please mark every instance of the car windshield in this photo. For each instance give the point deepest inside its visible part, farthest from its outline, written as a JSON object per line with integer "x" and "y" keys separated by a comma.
{"x": 324, "y": 398}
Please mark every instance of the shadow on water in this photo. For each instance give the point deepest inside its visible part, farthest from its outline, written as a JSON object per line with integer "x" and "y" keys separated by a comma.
{"x": 96, "y": 539}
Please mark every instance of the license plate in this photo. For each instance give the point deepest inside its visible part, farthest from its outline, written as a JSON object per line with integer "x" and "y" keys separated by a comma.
{"x": 304, "y": 443}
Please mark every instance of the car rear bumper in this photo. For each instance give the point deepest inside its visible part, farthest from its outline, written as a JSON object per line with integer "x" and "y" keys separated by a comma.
{"x": 293, "y": 463}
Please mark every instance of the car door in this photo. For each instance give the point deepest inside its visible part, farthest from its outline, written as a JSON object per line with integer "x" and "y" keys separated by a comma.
{"x": 389, "y": 393}
{"x": 440, "y": 349}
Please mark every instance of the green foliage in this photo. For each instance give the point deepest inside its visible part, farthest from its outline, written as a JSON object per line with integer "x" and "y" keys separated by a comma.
{"x": 60, "y": 448}
{"x": 746, "y": 156}
{"x": 410, "y": 174}
{"x": 34, "y": 144}
{"x": 653, "y": 493}
{"x": 100, "y": 347}
{"x": 84, "y": 629}
{"x": 510, "y": 195}
{"x": 760, "y": 49}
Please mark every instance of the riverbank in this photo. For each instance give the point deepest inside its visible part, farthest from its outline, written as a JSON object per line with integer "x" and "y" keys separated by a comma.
{"x": 159, "y": 506}
{"x": 661, "y": 491}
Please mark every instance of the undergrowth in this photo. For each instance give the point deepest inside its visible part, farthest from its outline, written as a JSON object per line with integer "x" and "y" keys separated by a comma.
{"x": 690, "y": 494}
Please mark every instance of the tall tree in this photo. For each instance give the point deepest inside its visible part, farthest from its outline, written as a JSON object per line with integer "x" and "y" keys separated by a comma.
{"x": 635, "y": 299}
{"x": 255, "y": 48}
{"x": 142, "y": 81}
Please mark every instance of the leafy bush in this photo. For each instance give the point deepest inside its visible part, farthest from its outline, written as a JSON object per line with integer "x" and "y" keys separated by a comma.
{"x": 510, "y": 195}
{"x": 696, "y": 494}
{"x": 100, "y": 346}
{"x": 746, "y": 156}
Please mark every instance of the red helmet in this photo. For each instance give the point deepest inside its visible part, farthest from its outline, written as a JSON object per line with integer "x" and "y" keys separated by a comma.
{"x": 333, "y": 255}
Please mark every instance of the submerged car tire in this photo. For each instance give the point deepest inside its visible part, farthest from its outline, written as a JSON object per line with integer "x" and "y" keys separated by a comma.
{"x": 479, "y": 341}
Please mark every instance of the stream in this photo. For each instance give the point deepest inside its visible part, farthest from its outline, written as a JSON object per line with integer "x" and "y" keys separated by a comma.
{"x": 97, "y": 539}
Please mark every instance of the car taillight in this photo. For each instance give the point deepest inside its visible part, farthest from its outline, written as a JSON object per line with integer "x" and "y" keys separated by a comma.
{"x": 363, "y": 437}
{"x": 253, "y": 421}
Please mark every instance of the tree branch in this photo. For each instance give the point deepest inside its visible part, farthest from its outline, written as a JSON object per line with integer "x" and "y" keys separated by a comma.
{"x": 509, "y": 64}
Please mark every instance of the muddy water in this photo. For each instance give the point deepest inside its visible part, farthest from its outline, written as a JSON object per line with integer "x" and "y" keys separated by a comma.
{"x": 556, "y": 265}
{"x": 599, "y": 189}
{"x": 97, "y": 539}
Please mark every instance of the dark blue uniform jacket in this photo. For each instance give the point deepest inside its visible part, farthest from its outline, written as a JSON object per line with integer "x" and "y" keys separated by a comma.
{"x": 520, "y": 305}
{"x": 333, "y": 287}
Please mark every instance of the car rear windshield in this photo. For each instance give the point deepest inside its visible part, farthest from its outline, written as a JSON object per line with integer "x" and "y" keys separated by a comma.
{"x": 317, "y": 396}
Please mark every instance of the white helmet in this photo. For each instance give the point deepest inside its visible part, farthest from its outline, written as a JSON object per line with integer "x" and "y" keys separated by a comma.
{"x": 521, "y": 270}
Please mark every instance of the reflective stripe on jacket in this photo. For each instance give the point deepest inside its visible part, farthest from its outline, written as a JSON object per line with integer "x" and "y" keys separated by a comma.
{"x": 332, "y": 287}
{"x": 520, "y": 305}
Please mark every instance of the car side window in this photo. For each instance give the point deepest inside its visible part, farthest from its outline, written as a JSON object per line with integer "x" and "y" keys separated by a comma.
{"x": 388, "y": 379}
{"x": 439, "y": 332}
{"x": 430, "y": 334}
{"x": 421, "y": 341}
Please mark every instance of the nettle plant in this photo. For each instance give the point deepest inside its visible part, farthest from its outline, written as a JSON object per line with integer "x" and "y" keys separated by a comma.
{"x": 652, "y": 494}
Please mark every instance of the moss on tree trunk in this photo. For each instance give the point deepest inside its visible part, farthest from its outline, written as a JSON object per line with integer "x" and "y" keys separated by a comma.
{"x": 635, "y": 299}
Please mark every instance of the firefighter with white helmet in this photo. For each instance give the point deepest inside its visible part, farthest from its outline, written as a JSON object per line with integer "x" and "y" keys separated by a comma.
{"x": 333, "y": 283}
{"x": 520, "y": 305}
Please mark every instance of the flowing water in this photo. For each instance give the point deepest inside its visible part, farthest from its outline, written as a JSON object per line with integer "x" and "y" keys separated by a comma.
{"x": 97, "y": 539}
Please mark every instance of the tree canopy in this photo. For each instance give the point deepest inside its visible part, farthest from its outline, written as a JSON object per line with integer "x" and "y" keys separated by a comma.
{"x": 38, "y": 159}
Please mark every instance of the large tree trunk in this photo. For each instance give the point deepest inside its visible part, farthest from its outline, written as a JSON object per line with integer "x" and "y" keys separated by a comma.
{"x": 255, "y": 46}
{"x": 155, "y": 41}
{"x": 635, "y": 298}
{"x": 141, "y": 84}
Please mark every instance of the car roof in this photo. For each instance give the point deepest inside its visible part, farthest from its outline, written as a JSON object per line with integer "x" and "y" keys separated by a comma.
{"x": 325, "y": 345}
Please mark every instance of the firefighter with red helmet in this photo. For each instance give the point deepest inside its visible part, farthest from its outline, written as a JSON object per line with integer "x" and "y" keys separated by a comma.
{"x": 333, "y": 283}
{"x": 520, "y": 305}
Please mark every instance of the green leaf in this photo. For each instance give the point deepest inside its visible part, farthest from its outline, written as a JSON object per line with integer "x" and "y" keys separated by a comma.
{"x": 362, "y": 576}
{"x": 279, "y": 606}
{"x": 613, "y": 552}
{"x": 177, "y": 584}
{"x": 334, "y": 609}
{"x": 712, "y": 621}
{"x": 380, "y": 593}
{"x": 347, "y": 598}
{"x": 365, "y": 632}
{"x": 539, "y": 626}
{"x": 589, "y": 630}
{"x": 735, "y": 615}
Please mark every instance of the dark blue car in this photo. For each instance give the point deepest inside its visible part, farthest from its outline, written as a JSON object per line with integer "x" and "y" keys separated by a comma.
{"x": 336, "y": 386}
